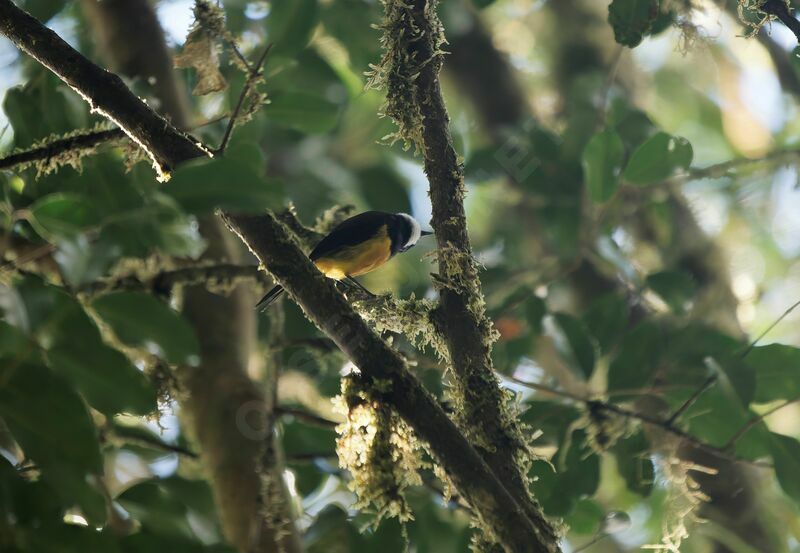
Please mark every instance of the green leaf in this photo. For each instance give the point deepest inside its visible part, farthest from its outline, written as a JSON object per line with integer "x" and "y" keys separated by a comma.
{"x": 290, "y": 24}
{"x": 637, "y": 358}
{"x": 776, "y": 368}
{"x": 43, "y": 10}
{"x": 676, "y": 288}
{"x": 658, "y": 158}
{"x": 302, "y": 111}
{"x": 634, "y": 463}
{"x": 108, "y": 381}
{"x": 82, "y": 261}
{"x": 156, "y": 509}
{"x": 576, "y": 476}
{"x": 48, "y": 418}
{"x": 141, "y": 320}
{"x": 741, "y": 376}
{"x": 602, "y": 163}
{"x": 786, "y": 455}
{"x": 581, "y": 348}
{"x": 585, "y": 519}
{"x": 203, "y": 186}
{"x": 342, "y": 17}
{"x": 606, "y": 320}
{"x": 384, "y": 189}
{"x": 75, "y": 349}
{"x": 41, "y": 108}
{"x": 632, "y": 20}
{"x": 13, "y": 342}
{"x": 166, "y": 506}
{"x": 62, "y": 215}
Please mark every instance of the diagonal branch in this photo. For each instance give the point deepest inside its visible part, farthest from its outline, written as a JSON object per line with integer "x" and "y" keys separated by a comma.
{"x": 272, "y": 244}
{"x": 103, "y": 91}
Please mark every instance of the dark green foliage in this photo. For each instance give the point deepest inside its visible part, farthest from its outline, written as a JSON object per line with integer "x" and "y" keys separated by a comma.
{"x": 140, "y": 320}
{"x": 632, "y": 20}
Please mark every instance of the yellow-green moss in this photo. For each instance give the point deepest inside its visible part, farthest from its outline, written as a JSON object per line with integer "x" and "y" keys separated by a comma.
{"x": 398, "y": 70}
{"x": 378, "y": 449}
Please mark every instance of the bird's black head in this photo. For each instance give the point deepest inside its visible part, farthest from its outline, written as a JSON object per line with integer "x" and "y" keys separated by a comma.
{"x": 405, "y": 231}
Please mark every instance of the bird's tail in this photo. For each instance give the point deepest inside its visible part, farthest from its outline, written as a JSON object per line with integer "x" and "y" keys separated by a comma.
{"x": 270, "y": 297}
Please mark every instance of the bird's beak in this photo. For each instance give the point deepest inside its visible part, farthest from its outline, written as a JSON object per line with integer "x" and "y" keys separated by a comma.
{"x": 425, "y": 233}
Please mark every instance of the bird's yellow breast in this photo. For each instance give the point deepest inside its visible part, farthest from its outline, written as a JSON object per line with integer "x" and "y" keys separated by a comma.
{"x": 359, "y": 259}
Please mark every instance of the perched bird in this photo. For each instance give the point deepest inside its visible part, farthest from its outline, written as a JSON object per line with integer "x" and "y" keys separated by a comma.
{"x": 359, "y": 245}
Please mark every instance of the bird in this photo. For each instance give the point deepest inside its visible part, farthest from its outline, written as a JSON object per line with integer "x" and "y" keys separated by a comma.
{"x": 358, "y": 245}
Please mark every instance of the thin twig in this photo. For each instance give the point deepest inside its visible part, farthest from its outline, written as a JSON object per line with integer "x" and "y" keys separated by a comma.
{"x": 692, "y": 399}
{"x": 722, "y": 453}
{"x": 235, "y": 49}
{"x": 56, "y": 147}
{"x": 251, "y": 78}
{"x": 777, "y": 321}
{"x": 755, "y": 420}
{"x": 306, "y": 416}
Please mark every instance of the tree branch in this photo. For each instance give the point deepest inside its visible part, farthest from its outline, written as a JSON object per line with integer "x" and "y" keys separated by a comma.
{"x": 463, "y": 322}
{"x": 52, "y": 149}
{"x": 104, "y": 91}
{"x": 270, "y": 241}
{"x": 780, "y": 9}
{"x": 665, "y": 425}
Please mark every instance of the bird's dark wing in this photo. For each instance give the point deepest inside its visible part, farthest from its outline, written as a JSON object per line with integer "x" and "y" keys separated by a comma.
{"x": 350, "y": 232}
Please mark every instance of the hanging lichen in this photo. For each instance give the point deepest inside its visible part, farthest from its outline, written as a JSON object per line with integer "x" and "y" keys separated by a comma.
{"x": 753, "y": 16}
{"x": 200, "y": 50}
{"x": 684, "y": 496}
{"x": 378, "y": 449}
{"x": 411, "y": 317}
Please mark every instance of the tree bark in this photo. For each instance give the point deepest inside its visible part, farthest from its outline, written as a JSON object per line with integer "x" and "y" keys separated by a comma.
{"x": 226, "y": 411}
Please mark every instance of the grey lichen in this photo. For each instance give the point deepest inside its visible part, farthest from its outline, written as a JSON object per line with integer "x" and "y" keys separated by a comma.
{"x": 399, "y": 68}
{"x": 411, "y": 317}
{"x": 752, "y": 16}
{"x": 378, "y": 448}
{"x": 72, "y": 157}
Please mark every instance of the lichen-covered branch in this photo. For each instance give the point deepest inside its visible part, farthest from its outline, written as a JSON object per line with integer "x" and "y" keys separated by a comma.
{"x": 780, "y": 9}
{"x": 413, "y": 39}
{"x": 103, "y": 91}
{"x": 52, "y": 153}
{"x": 271, "y": 242}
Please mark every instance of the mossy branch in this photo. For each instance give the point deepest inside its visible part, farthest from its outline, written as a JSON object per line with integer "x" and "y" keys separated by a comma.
{"x": 409, "y": 70}
{"x": 271, "y": 242}
{"x": 105, "y": 92}
{"x": 53, "y": 153}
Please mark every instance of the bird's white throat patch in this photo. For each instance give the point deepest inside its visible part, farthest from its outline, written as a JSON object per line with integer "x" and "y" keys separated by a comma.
{"x": 416, "y": 231}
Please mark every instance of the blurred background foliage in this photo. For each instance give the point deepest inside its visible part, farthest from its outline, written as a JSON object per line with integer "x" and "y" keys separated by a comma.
{"x": 622, "y": 264}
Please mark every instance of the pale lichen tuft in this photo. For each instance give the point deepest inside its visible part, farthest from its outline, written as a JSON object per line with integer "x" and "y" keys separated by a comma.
{"x": 378, "y": 449}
